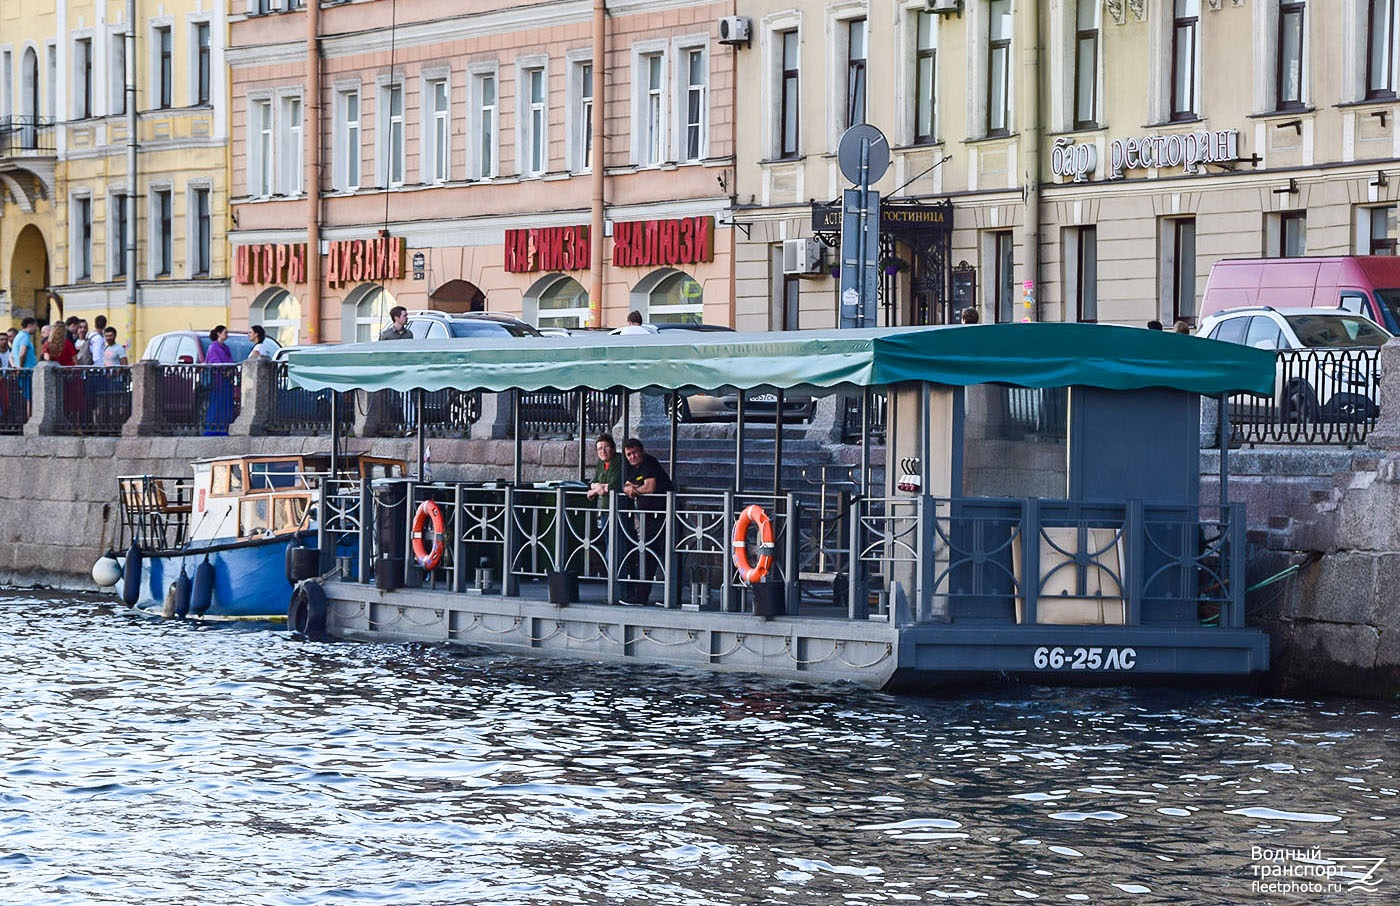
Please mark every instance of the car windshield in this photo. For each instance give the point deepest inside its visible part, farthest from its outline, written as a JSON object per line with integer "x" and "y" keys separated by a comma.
{"x": 484, "y": 327}
{"x": 238, "y": 346}
{"x": 1332, "y": 331}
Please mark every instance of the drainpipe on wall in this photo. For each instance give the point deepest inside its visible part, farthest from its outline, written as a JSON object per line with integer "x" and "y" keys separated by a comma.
{"x": 313, "y": 172}
{"x": 595, "y": 273}
{"x": 131, "y": 146}
{"x": 1030, "y": 64}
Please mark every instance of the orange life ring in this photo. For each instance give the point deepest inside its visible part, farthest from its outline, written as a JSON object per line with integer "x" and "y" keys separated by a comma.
{"x": 753, "y": 515}
{"x": 428, "y": 559}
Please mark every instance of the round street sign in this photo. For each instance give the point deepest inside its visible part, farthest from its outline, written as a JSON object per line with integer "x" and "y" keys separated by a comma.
{"x": 877, "y": 159}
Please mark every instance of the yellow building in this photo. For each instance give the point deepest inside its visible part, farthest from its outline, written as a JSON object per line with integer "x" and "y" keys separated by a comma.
{"x": 94, "y": 223}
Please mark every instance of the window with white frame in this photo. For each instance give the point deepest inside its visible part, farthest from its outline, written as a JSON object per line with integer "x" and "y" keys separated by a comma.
{"x": 1376, "y": 231}
{"x": 1287, "y": 234}
{"x": 925, "y": 71}
{"x": 695, "y": 103}
{"x": 1001, "y": 251}
{"x": 200, "y": 224}
{"x": 199, "y": 39}
{"x": 999, "y": 67}
{"x": 261, "y": 158}
{"x": 347, "y": 145}
{"x": 557, "y": 300}
{"x": 116, "y": 71}
{"x": 650, "y": 75}
{"x": 81, "y": 226}
{"x": 534, "y": 117}
{"x": 1176, "y": 259}
{"x": 1380, "y": 49}
{"x": 672, "y": 297}
{"x": 369, "y": 308}
{"x": 162, "y": 231}
{"x": 278, "y": 312}
{"x": 116, "y": 234}
{"x": 82, "y": 79}
{"x": 436, "y": 145}
{"x": 163, "y": 89}
{"x": 789, "y": 100}
{"x": 390, "y": 126}
{"x": 1186, "y": 21}
{"x": 1081, "y": 269}
{"x": 51, "y": 81}
{"x": 1086, "y": 63}
{"x": 7, "y": 84}
{"x": 484, "y": 126}
{"x": 581, "y": 111}
{"x": 1290, "y": 70}
{"x": 290, "y": 148}
{"x": 855, "y": 71}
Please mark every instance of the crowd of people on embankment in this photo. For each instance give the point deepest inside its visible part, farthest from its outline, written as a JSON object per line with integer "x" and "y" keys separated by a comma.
{"x": 67, "y": 343}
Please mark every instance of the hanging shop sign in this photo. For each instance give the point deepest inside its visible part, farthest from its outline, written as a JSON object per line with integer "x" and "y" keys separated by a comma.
{"x": 652, "y": 243}
{"x": 548, "y": 249}
{"x": 894, "y": 217}
{"x": 364, "y": 260}
{"x": 283, "y": 262}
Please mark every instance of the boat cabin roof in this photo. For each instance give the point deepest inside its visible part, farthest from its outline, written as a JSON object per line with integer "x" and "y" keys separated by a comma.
{"x": 1038, "y": 355}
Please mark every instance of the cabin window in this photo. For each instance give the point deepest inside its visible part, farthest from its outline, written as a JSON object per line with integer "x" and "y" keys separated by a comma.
{"x": 371, "y": 469}
{"x": 277, "y": 473}
{"x": 227, "y": 479}
{"x": 278, "y": 514}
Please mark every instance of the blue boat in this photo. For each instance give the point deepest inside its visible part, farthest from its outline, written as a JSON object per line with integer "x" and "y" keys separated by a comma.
{"x": 231, "y": 541}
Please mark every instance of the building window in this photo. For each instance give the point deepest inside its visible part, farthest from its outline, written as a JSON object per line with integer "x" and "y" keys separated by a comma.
{"x": 201, "y": 236}
{"x": 1082, "y": 272}
{"x": 371, "y": 312}
{"x": 260, "y": 152}
{"x": 439, "y": 132}
{"x": 279, "y": 314}
{"x": 347, "y": 161}
{"x": 787, "y": 93}
{"x": 697, "y": 104}
{"x": 536, "y": 138}
{"x": 1290, "y": 55}
{"x": 1185, "y": 25}
{"x": 671, "y": 297}
{"x": 290, "y": 150}
{"x": 1378, "y": 224}
{"x": 998, "y": 67}
{"x": 581, "y": 141}
{"x": 484, "y": 90}
{"x": 7, "y": 85}
{"x": 162, "y": 216}
{"x": 165, "y": 92}
{"x": 1003, "y": 276}
{"x": 1380, "y": 49}
{"x": 82, "y": 238}
{"x": 201, "y": 64}
{"x": 82, "y": 76}
{"x": 557, "y": 301}
{"x": 117, "y": 80}
{"x": 1292, "y": 235}
{"x": 925, "y": 58}
{"x": 855, "y": 71}
{"x": 391, "y": 138}
{"x": 1178, "y": 270}
{"x": 653, "y": 113}
{"x": 1086, "y": 64}
{"x": 116, "y": 235}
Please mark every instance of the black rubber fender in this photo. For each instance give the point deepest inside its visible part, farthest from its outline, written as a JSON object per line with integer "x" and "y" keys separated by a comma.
{"x": 301, "y": 562}
{"x": 131, "y": 575}
{"x": 306, "y": 614}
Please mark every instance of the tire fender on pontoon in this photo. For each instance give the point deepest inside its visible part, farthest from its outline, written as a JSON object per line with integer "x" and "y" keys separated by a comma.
{"x": 306, "y": 614}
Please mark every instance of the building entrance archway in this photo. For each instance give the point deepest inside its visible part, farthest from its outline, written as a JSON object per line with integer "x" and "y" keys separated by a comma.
{"x": 29, "y": 275}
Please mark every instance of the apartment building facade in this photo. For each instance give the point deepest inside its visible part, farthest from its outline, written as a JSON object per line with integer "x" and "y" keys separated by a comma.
{"x": 1099, "y": 155}
{"x": 431, "y": 157}
{"x": 116, "y": 162}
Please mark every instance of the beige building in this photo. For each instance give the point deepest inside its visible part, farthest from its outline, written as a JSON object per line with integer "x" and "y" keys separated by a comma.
{"x": 114, "y": 207}
{"x": 1099, "y": 156}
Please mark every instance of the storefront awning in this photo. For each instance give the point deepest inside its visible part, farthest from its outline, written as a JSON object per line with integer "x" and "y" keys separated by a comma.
{"x": 1026, "y": 355}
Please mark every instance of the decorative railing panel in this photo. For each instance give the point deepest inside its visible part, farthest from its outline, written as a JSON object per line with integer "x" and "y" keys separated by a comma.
{"x": 15, "y": 396}
{"x": 96, "y": 400}
{"x": 197, "y": 399}
{"x": 1321, "y": 396}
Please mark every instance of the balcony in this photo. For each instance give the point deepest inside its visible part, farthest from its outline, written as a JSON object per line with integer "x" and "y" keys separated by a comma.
{"x": 27, "y": 154}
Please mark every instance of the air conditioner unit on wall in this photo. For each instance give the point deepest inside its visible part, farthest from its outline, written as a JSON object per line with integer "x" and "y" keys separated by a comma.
{"x": 944, "y": 7}
{"x": 735, "y": 30}
{"x": 802, "y": 257}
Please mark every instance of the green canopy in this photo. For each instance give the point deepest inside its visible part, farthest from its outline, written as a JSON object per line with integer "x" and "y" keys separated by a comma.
{"x": 1026, "y": 355}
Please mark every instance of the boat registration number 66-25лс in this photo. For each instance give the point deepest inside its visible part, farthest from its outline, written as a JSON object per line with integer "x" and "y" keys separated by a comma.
{"x": 1085, "y": 658}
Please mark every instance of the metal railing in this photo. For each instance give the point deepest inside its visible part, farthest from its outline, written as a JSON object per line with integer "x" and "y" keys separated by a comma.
{"x": 446, "y": 413}
{"x": 1321, "y": 396}
{"x": 155, "y": 511}
{"x": 96, "y": 399}
{"x": 197, "y": 399}
{"x": 298, "y": 411}
{"x": 15, "y": 384}
{"x": 850, "y": 426}
{"x": 26, "y": 133}
{"x": 555, "y": 413}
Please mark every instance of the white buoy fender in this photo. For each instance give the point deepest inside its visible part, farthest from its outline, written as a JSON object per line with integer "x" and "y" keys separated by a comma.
{"x": 106, "y": 571}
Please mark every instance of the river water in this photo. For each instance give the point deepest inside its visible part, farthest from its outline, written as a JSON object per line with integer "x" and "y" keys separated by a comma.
{"x": 147, "y": 762}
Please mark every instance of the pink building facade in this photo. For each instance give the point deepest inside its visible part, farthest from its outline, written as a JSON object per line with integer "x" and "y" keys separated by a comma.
{"x": 441, "y": 155}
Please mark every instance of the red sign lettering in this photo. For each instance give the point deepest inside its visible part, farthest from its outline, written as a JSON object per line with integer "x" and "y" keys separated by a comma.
{"x": 547, "y": 249}
{"x": 652, "y": 243}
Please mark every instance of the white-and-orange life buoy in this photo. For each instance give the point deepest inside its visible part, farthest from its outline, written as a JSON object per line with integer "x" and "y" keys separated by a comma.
{"x": 428, "y": 512}
{"x": 753, "y": 515}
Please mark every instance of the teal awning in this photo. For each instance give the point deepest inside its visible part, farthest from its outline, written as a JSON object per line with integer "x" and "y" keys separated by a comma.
{"x": 1026, "y": 355}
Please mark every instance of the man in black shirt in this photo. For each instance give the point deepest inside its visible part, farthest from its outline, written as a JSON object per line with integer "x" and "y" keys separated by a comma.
{"x": 645, "y": 483}
{"x": 398, "y": 325}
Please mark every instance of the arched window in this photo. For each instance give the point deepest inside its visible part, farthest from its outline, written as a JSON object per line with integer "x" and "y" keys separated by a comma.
{"x": 366, "y": 313}
{"x": 669, "y": 296}
{"x": 279, "y": 313}
{"x": 556, "y": 300}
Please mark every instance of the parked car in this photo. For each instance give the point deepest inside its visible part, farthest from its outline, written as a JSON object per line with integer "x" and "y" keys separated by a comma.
{"x": 724, "y": 407}
{"x": 434, "y": 325}
{"x": 1361, "y": 284}
{"x": 1325, "y": 372}
{"x": 189, "y": 347}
